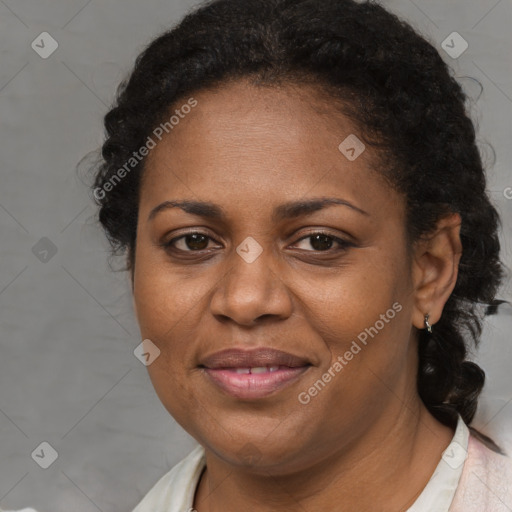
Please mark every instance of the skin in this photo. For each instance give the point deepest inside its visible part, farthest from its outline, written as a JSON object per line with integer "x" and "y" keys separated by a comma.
{"x": 366, "y": 442}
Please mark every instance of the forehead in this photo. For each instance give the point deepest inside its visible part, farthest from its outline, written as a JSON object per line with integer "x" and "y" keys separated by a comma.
{"x": 243, "y": 142}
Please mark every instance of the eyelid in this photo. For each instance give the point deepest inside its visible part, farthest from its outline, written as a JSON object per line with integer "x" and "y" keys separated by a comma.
{"x": 342, "y": 242}
{"x": 195, "y": 231}
{"x": 314, "y": 230}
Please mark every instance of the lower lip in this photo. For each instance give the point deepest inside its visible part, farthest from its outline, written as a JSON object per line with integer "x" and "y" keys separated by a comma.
{"x": 254, "y": 385}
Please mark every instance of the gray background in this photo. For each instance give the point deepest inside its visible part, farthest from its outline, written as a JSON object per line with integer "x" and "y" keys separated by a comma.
{"x": 68, "y": 375}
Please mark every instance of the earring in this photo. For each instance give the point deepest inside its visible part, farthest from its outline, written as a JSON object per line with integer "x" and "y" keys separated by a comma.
{"x": 427, "y": 325}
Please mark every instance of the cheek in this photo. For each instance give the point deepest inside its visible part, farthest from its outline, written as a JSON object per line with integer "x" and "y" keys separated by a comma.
{"x": 163, "y": 297}
{"x": 165, "y": 313}
{"x": 363, "y": 316}
{"x": 354, "y": 298}
{"x": 179, "y": 399}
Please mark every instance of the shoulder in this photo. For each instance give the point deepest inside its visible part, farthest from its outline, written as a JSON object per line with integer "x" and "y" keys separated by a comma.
{"x": 177, "y": 487}
{"x": 486, "y": 480}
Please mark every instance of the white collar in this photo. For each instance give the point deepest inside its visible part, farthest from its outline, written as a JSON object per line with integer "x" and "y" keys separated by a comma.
{"x": 440, "y": 490}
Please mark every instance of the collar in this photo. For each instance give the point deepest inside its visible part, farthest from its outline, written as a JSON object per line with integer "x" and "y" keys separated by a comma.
{"x": 440, "y": 489}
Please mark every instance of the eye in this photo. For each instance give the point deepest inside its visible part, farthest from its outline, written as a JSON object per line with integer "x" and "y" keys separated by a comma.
{"x": 195, "y": 240}
{"x": 323, "y": 242}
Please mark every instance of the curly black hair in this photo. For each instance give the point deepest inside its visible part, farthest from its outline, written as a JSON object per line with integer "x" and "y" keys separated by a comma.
{"x": 391, "y": 82}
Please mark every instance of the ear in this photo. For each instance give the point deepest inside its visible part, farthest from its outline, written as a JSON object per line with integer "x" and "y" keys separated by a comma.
{"x": 435, "y": 268}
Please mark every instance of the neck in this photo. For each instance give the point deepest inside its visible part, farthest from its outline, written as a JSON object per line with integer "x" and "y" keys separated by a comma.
{"x": 390, "y": 465}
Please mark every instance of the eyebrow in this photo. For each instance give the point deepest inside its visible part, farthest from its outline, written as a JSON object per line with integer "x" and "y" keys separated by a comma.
{"x": 284, "y": 211}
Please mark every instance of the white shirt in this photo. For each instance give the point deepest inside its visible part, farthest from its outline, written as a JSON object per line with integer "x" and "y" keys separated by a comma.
{"x": 175, "y": 491}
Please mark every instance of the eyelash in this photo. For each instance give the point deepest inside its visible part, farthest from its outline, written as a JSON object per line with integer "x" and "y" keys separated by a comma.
{"x": 343, "y": 244}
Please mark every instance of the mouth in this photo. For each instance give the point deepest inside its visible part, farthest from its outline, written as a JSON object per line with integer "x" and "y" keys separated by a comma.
{"x": 253, "y": 374}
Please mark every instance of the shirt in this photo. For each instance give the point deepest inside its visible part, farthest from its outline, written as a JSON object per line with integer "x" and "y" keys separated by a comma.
{"x": 470, "y": 477}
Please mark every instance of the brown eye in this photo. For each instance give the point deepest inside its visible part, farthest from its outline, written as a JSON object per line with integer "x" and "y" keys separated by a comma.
{"x": 323, "y": 242}
{"x": 190, "y": 242}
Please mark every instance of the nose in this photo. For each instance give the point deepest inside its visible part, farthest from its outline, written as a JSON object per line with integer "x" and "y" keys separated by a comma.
{"x": 251, "y": 293}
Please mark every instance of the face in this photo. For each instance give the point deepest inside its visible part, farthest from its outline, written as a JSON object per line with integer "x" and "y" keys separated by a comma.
{"x": 328, "y": 284}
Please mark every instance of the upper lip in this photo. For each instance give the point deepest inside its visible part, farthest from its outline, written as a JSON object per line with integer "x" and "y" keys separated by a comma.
{"x": 263, "y": 356}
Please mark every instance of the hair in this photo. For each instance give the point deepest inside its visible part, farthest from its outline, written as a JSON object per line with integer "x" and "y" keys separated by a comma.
{"x": 392, "y": 83}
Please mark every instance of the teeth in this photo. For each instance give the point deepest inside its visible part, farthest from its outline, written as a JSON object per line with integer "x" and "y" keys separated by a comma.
{"x": 257, "y": 369}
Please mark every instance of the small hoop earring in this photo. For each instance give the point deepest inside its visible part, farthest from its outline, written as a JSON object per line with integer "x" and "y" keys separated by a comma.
{"x": 427, "y": 325}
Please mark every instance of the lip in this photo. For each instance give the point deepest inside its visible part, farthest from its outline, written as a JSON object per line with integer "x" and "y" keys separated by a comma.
{"x": 254, "y": 386}
{"x": 221, "y": 370}
{"x": 262, "y": 356}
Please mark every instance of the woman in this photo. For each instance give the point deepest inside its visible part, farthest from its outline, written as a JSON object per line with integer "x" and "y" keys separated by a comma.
{"x": 303, "y": 207}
